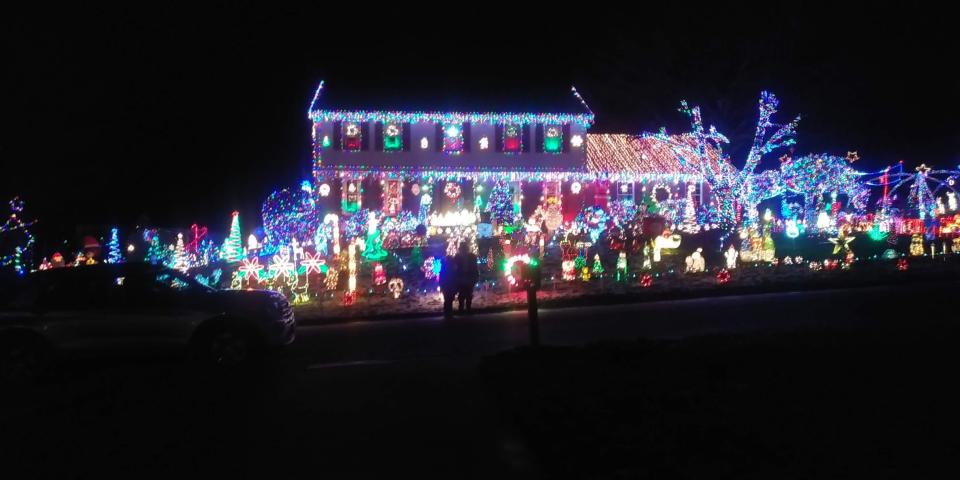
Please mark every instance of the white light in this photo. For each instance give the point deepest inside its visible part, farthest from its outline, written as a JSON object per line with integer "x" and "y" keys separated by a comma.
{"x": 393, "y": 130}
{"x": 324, "y": 190}
{"x": 453, "y": 131}
{"x": 130, "y": 248}
{"x": 823, "y": 220}
{"x": 424, "y": 144}
{"x": 484, "y": 143}
{"x": 576, "y": 141}
{"x": 624, "y": 188}
{"x": 252, "y": 243}
{"x": 792, "y": 230}
{"x": 352, "y": 130}
{"x": 575, "y": 187}
{"x": 452, "y": 219}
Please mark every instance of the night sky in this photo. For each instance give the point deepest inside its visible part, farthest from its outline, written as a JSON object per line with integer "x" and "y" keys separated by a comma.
{"x": 175, "y": 117}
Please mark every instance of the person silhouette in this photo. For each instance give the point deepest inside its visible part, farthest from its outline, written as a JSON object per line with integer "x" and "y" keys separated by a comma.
{"x": 467, "y": 275}
{"x": 448, "y": 284}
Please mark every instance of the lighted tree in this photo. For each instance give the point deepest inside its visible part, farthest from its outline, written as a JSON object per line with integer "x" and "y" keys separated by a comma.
{"x": 113, "y": 247}
{"x": 180, "y": 261}
{"x": 232, "y": 247}
{"x": 732, "y": 187}
{"x": 16, "y": 239}
{"x": 500, "y": 203}
{"x": 597, "y": 266}
{"x": 814, "y": 176}
{"x": 155, "y": 252}
{"x": 690, "y": 224}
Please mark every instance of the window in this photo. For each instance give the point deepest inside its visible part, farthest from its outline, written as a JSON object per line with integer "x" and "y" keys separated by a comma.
{"x": 512, "y": 138}
{"x": 452, "y": 138}
{"x": 553, "y": 139}
{"x": 352, "y": 136}
{"x": 392, "y": 137}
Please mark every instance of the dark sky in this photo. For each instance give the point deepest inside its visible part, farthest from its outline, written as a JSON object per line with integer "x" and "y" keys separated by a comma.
{"x": 183, "y": 116}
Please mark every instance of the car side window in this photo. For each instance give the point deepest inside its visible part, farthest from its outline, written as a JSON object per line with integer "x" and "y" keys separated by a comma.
{"x": 171, "y": 282}
{"x": 146, "y": 287}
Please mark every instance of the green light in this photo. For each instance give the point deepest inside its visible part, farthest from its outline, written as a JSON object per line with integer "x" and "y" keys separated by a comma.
{"x": 326, "y": 142}
{"x": 875, "y": 233}
{"x": 392, "y": 143}
{"x": 552, "y": 144}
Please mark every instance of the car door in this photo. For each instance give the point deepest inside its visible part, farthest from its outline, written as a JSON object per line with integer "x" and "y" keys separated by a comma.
{"x": 78, "y": 311}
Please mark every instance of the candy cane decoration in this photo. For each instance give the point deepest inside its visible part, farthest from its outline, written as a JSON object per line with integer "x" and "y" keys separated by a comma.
{"x": 333, "y": 219}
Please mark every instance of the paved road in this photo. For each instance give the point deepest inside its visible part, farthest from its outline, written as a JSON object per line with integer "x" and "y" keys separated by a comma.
{"x": 357, "y": 400}
{"x": 463, "y": 340}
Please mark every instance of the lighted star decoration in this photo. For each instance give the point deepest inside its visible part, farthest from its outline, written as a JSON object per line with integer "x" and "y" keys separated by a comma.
{"x": 852, "y": 157}
{"x": 282, "y": 264}
{"x": 312, "y": 262}
{"x": 841, "y": 243}
{"x": 251, "y": 266}
{"x": 923, "y": 168}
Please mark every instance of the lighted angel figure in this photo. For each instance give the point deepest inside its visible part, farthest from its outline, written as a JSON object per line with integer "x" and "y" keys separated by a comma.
{"x": 731, "y": 256}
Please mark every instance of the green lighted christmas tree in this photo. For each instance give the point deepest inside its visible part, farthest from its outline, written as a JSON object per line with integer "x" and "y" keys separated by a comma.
{"x": 232, "y": 246}
{"x": 597, "y": 265}
{"x": 155, "y": 252}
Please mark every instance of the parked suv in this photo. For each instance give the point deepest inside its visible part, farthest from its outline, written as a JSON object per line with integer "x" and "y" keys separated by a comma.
{"x": 135, "y": 306}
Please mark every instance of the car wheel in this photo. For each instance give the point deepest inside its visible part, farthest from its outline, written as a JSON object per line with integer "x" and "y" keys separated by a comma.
{"x": 22, "y": 358}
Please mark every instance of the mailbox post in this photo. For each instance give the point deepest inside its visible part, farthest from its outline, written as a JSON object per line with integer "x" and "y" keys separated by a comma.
{"x": 531, "y": 282}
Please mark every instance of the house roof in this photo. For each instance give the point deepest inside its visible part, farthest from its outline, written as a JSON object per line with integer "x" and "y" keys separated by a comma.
{"x": 648, "y": 154}
{"x": 527, "y": 103}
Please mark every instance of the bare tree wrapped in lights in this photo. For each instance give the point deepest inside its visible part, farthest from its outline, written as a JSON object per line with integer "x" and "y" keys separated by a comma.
{"x": 732, "y": 187}
{"x": 16, "y": 239}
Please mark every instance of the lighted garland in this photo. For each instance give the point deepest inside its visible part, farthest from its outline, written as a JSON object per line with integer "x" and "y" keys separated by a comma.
{"x": 582, "y": 119}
